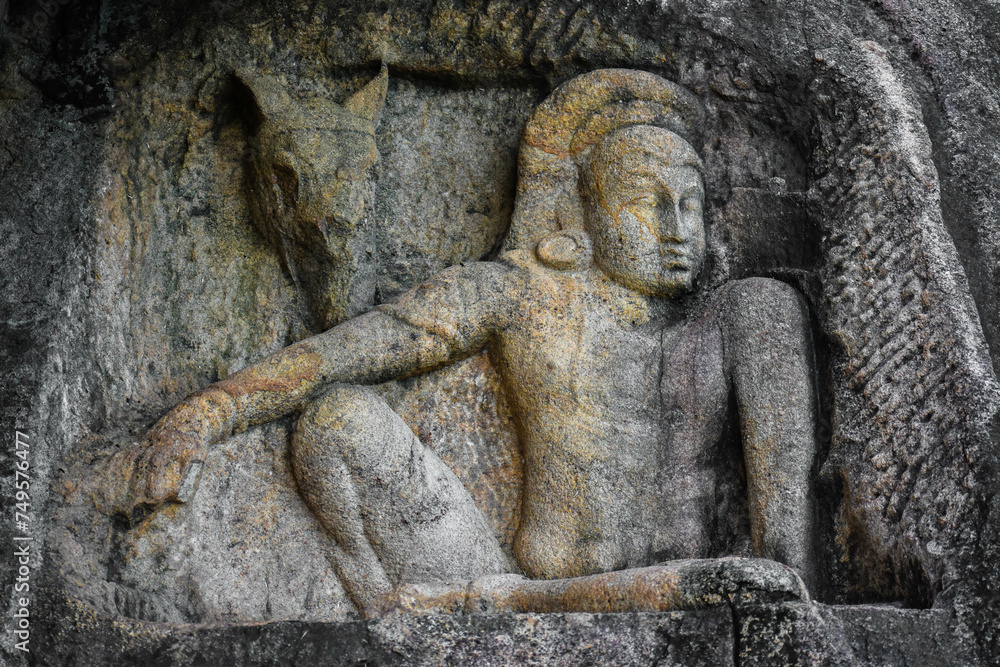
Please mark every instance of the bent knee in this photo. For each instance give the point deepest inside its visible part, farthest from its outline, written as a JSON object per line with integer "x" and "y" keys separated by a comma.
{"x": 344, "y": 409}
{"x": 352, "y": 425}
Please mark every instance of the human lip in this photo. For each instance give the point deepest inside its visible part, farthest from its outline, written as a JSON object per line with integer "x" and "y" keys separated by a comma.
{"x": 678, "y": 257}
{"x": 676, "y": 266}
{"x": 674, "y": 254}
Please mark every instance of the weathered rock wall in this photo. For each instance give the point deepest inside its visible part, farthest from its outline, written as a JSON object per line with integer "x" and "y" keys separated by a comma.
{"x": 133, "y": 276}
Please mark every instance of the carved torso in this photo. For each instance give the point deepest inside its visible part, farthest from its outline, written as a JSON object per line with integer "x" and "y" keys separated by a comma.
{"x": 616, "y": 406}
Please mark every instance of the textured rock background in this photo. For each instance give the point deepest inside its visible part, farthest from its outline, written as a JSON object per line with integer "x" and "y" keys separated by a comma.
{"x": 132, "y": 275}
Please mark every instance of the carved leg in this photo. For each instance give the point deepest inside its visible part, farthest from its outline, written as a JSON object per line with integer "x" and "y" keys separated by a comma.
{"x": 396, "y": 512}
{"x": 676, "y": 585}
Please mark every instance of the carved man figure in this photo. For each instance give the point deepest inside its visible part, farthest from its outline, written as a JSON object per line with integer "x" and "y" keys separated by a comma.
{"x": 619, "y": 393}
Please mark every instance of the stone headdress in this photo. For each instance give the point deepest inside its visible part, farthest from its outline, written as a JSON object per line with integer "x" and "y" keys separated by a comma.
{"x": 565, "y": 127}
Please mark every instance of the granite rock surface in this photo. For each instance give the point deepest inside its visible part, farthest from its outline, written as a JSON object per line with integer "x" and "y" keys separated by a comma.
{"x": 851, "y": 150}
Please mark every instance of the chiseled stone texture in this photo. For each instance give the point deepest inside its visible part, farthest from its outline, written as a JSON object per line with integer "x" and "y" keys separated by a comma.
{"x": 775, "y": 635}
{"x": 131, "y": 275}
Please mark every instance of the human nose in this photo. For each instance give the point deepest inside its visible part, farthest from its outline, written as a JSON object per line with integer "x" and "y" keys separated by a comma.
{"x": 670, "y": 223}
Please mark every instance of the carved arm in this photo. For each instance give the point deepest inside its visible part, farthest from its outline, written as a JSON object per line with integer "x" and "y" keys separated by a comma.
{"x": 441, "y": 320}
{"x": 770, "y": 359}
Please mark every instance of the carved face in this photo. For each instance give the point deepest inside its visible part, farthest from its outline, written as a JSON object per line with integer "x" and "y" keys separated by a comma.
{"x": 644, "y": 213}
{"x": 317, "y": 178}
{"x": 309, "y": 177}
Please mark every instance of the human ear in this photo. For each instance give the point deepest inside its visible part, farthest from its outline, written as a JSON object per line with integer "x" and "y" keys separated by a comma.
{"x": 565, "y": 250}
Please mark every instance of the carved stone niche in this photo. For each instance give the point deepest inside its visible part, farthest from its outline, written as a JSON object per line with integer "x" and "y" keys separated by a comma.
{"x": 273, "y": 172}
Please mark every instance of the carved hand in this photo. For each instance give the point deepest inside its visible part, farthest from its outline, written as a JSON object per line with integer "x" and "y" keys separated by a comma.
{"x": 160, "y": 465}
{"x": 164, "y": 466}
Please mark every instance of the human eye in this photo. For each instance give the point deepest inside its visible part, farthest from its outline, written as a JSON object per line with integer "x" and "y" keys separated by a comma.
{"x": 643, "y": 206}
{"x": 286, "y": 178}
{"x": 643, "y": 203}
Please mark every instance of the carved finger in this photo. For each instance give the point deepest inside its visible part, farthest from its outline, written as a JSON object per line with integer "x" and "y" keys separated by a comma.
{"x": 158, "y": 487}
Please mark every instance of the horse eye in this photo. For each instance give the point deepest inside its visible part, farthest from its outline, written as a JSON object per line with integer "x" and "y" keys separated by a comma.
{"x": 286, "y": 178}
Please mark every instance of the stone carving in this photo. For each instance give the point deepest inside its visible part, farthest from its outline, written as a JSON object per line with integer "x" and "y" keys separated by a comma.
{"x": 920, "y": 391}
{"x": 308, "y": 180}
{"x": 622, "y": 388}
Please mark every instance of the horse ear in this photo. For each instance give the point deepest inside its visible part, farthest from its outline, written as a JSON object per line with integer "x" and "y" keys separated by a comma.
{"x": 266, "y": 93}
{"x": 367, "y": 102}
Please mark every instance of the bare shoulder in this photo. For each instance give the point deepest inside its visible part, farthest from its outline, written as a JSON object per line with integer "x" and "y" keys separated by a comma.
{"x": 525, "y": 271}
{"x": 760, "y": 302}
{"x": 759, "y": 294}
{"x": 517, "y": 262}
{"x": 762, "y": 313}
{"x": 465, "y": 284}
{"x": 494, "y": 272}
